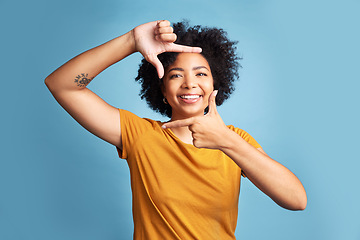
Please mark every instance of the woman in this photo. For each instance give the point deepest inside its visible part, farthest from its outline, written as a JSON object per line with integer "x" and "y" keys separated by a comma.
{"x": 185, "y": 174}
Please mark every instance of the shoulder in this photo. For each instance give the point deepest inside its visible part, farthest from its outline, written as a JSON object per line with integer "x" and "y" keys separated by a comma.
{"x": 245, "y": 135}
{"x": 129, "y": 119}
{"x": 134, "y": 128}
{"x": 239, "y": 131}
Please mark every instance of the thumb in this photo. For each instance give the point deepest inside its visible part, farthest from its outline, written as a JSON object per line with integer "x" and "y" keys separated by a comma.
{"x": 153, "y": 59}
{"x": 212, "y": 102}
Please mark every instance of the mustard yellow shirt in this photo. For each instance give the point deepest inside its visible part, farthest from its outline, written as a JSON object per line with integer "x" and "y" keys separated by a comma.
{"x": 179, "y": 191}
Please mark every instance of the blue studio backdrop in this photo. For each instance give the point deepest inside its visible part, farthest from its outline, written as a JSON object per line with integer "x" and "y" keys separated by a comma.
{"x": 297, "y": 96}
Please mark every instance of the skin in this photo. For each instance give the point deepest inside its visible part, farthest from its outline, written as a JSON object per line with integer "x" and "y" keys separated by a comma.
{"x": 272, "y": 178}
{"x": 190, "y": 74}
{"x": 87, "y": 108}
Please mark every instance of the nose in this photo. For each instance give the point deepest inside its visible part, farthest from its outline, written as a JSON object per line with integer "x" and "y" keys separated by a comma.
{"x": 189, "y": 82}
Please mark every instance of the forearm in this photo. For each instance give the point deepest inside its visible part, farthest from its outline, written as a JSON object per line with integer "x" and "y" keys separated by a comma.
{"x": 272, "y": 178}
{"x": 79, "y": 71}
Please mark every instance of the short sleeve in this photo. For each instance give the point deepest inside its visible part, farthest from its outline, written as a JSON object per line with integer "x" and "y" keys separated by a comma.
{"x": 247, "y": 137}
{"x": 132, "y": 127}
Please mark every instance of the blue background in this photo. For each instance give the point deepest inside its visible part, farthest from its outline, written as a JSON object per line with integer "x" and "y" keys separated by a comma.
{"x": 298, "y": 96}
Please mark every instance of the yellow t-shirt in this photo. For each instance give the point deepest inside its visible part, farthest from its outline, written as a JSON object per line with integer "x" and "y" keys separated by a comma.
{"x": 179, "y": 191}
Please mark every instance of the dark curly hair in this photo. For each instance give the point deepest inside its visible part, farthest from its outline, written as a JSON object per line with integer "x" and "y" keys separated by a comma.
{"x": 217, "y": 49}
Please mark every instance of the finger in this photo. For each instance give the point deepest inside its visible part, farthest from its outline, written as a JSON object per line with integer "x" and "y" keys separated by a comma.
{"x": 179, "y": 123}
{"x": 164, "y": 30}
{"x": 181, "y": 48}
{"x": 212, "y": 103}
{"x": 153, "y": 59}
{"x": 163, "y": 23}
{"x": 166, "y": 37}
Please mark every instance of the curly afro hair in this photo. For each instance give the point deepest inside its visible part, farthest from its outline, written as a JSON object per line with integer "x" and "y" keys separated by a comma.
{"x": 217, "y": 49}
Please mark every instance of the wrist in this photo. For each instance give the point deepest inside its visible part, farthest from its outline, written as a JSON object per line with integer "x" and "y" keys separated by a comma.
{"x": 119, "y": 48}
{"x": 131, "y": 41}
{"x": 229, "y": 140}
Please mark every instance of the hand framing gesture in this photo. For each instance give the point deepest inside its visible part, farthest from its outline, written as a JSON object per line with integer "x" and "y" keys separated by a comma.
{"x": 208, "y": 131}
{"x": 154, "y": 38}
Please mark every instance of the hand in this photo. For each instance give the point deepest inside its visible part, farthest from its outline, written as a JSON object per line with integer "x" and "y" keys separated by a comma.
{"x": 154, "y": 38}
{"x": 208, "y": 131}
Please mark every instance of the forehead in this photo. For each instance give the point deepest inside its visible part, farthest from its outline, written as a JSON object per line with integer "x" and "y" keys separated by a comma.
{"x": 190, "y": 60}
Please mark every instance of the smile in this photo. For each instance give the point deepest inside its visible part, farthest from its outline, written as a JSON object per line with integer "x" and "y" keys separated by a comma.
{"x": 190, "y": 98}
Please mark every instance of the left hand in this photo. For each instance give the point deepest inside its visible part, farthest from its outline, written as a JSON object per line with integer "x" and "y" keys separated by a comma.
{"x": 208, "y": 131}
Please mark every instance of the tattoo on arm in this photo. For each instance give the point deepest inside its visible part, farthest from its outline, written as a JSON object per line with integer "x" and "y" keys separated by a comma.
{"x": 82, "y": 79}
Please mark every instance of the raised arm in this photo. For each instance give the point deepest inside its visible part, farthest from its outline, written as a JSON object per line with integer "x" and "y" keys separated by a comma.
{"x": 68, "y": 83}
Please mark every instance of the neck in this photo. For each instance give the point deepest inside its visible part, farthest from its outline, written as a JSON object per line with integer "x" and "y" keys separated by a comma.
{"x": 183, "y": 133}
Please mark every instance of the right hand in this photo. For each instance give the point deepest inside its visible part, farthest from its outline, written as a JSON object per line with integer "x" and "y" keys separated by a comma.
{"x": 154, "y": 38}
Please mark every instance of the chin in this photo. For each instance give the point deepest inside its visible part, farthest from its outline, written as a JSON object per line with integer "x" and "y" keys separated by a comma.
{"x": 189, "y": 114}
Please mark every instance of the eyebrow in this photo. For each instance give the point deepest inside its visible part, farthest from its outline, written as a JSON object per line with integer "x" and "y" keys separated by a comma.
{"x": 181, "y": 69}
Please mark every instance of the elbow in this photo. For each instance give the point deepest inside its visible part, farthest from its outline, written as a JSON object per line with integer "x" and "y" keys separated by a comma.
{"x": 49, "y": 85}
{"x": 46, "y": 81}
{"x": 302, "y": 200}
{"x": 295, "y": 206}
{"x": 299, "y": 202}
{"x": 299, "y": 198}
{"x": 300, "y": 206}
{"x": 303, "y": 203}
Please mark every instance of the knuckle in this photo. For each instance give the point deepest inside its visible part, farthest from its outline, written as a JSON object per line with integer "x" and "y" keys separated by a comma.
{"x": 167, "y": 37}
{"x": 165, "y": 30}
{"x": 162, "y": 38}
{"x": 164, "y": 23}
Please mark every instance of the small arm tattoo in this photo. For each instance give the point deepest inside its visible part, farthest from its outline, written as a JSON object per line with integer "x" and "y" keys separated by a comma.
{"x": 82, "y": 79}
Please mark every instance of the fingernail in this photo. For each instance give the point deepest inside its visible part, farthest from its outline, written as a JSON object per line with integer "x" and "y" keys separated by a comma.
{"x": 216, "y": 91}
{"x": 163, "y": 126}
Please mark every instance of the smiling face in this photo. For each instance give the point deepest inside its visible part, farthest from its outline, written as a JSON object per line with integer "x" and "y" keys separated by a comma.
{"x": 187, "y": 85}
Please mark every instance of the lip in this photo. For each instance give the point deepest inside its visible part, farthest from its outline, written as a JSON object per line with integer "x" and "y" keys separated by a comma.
{"x": 190, "y": 98}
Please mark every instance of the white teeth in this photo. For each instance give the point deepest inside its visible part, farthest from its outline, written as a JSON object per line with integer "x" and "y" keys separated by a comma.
{"x": 190, "y": 96}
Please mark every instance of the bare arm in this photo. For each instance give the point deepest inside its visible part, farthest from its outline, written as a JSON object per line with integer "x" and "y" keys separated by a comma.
{"x": 68, "y": 86}
{"x": 68, "y": 83}
{"x": 272, "y": 178}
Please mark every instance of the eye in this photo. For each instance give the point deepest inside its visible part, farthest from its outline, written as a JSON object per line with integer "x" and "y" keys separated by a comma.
{"x": 201, "y": 74}
{"x": 175, "y": 76}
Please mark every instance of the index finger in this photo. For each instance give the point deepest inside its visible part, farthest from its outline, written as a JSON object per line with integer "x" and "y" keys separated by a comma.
{"x": 181, "y": 48}
{"x": 163, "y": 23}
{"x": 179, "y": 123}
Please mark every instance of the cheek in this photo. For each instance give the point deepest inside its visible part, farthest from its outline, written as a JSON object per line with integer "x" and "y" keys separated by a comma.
{"x": 169, "y": 90}
{"x": 210, "y": 85}
{"x": 208, "y": 88}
